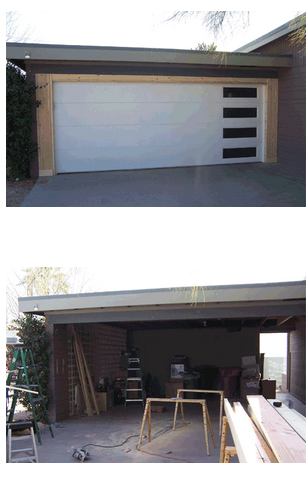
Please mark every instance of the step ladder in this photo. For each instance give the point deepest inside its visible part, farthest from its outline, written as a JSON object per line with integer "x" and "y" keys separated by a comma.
{"x": 134, "y": 388}
{"x": 24, "y": 454}
{"x": 21, "y": 383}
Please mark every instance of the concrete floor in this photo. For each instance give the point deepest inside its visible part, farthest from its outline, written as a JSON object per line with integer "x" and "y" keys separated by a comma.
{"x": 185, "y": 444}
{"x": 238, "y": 185}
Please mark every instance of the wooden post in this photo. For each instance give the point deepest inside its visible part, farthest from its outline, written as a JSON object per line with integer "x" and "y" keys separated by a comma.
{"x": 210, "y": 426}
{"x": 143, "y": 422}
{"x": 175, "y": 415}
{"x": 205, "y": 428}
{"x": 149, "y": 420}
{"x": 223, "y": 439}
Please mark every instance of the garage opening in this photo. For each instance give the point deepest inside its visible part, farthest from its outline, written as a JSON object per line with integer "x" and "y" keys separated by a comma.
{"x": 274, "y": 349}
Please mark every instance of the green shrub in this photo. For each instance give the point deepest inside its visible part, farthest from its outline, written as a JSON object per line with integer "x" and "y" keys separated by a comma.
{"x": 32, "y": 333}
{"x": 19, "y": 106}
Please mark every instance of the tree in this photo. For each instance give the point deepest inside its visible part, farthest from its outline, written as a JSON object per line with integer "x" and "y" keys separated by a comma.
{"x": 32, "y": 333}
{"x": 19, "y": 106}
{"x": 43, "y": 281}
{"x": 216, "y": 21}
{"x": 13, "y": 31}
{"x": 298, "y": 36}
{"x": 206, "y": 47}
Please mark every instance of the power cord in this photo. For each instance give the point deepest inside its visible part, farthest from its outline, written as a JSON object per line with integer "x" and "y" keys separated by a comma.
{"x": 112, "y": 446}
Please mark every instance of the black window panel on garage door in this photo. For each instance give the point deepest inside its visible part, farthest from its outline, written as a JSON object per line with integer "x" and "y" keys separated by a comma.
{"x": 240, "y": 112}
{"x": 240, "y": 92}
{"x": 240, "y": 132}
{"x": 239, "y": 152}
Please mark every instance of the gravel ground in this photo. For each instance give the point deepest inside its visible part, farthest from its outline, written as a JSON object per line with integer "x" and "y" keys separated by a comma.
{"x": 16, "y": 192}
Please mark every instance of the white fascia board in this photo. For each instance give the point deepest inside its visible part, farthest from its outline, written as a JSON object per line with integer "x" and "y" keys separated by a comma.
{"x": 204, "y": 295}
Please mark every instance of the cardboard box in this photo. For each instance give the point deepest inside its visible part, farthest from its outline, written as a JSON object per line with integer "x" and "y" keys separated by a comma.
{"x": 120, "y": 374}
{"x": 249, "y": 387}
{"x": 171, "y": 388}
{"x": 252, "y": 371}
{"x": 158, "y": 409}
{"x": 105, "y": 400}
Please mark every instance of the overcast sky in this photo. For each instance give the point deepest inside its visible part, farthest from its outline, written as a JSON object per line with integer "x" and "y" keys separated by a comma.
{"x": 140, "y": 27}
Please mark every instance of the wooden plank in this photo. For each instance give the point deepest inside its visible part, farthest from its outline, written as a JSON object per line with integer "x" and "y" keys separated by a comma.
{"x": 295, "y": 419}
{"x": 84, "y": 363}
{"x": 82, "y": 379}
{"x": 271, "y": 121}
{"x": 45, "y": 134}
{"x": 286, "y": 444}
{"x": 245, "y": 440}
{"x": 88, "y": 374}
{"x": 155, "y": 79}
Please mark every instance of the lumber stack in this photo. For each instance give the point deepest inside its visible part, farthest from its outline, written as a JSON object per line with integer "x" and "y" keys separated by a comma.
{"x": 264, "y": 436}
{"x": 84, "y": 375}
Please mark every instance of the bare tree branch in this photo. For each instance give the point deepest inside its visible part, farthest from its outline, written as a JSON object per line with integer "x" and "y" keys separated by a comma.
{"x": 215, "y": 21}
{"x": 14, "y": 33}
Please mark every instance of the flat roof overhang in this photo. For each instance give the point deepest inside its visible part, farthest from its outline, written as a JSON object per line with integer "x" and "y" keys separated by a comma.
{"x": 178, "y": 304}
{"x": 27, "y": 53}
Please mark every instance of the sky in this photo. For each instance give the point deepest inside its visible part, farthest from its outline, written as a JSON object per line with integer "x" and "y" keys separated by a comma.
{"x": 131, "y": 249}
{"x": 139, "y": 27}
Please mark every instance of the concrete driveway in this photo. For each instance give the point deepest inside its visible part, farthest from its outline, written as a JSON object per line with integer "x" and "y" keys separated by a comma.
{"x": 239, "y": 185}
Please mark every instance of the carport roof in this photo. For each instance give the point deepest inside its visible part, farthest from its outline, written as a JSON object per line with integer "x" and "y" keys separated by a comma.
{"x": 174, "y": 303}
{"x": 28, "y": 53}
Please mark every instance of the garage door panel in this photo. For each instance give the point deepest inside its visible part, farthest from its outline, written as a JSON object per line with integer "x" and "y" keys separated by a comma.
{"x": 109, "y": 126}
{"x": 130, "y": 136}
{"x": 92, "y": 92}
{"x": 115, "y": 158}
{"x": 133, "y": 113}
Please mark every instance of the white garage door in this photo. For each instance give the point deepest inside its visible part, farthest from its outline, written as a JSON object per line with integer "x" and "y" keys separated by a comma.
{"x": 115, "y": 126}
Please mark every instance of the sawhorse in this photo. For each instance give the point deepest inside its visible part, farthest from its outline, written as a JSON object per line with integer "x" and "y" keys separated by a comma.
{"x": 147, "y": 412}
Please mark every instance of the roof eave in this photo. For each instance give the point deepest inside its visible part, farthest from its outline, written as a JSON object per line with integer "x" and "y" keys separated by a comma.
{"x": 24, "y": 52}
{"x": 163, "y": 297}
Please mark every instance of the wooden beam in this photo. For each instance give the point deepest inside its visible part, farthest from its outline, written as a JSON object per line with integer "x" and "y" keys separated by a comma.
{"x": 45, "y": 134}
{"x": 263, "y": 321}
{"x": 295, "y": 419}
{"x": 271, "y": 120}
{"x": 246, "y": 443}
{"x": 155, "y": 79}
{"x": 286, "y": 444}
{"x": 284, "y": 320}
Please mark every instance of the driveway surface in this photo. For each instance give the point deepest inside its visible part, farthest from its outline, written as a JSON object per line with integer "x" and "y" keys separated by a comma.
{"x": 239, "y": 185}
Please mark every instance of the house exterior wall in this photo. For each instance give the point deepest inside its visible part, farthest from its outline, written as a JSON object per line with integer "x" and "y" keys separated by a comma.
{"x": 297, "y": 359}
{"x": 291, "y": 104}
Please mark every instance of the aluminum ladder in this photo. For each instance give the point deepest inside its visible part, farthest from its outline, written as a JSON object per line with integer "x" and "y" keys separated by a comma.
{"x": 134, "y": 393}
